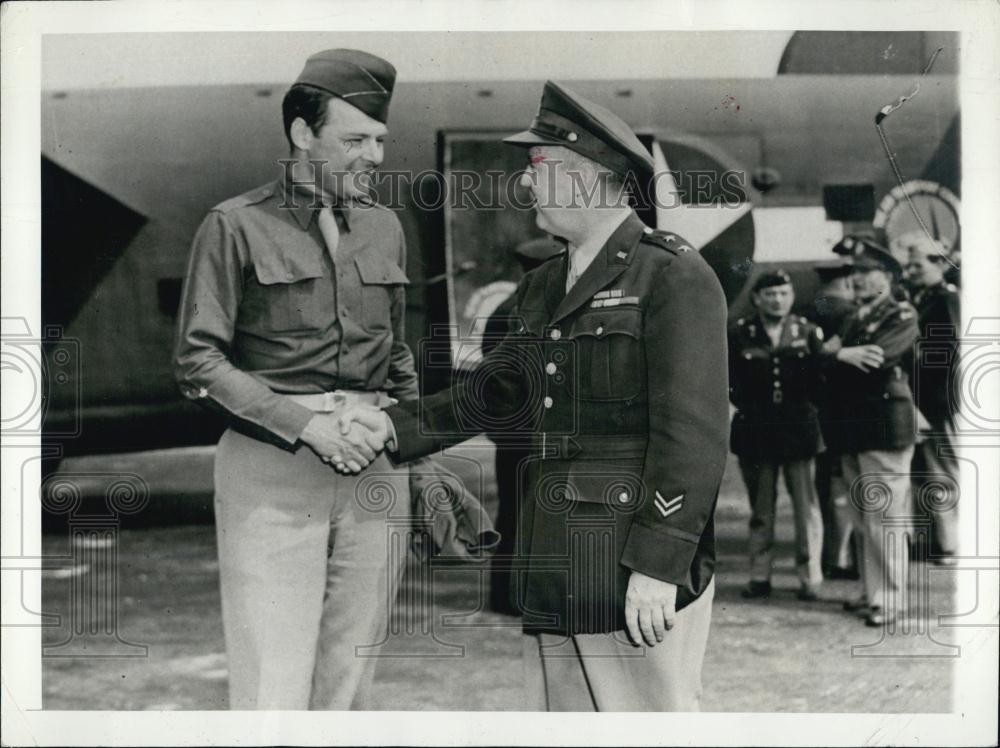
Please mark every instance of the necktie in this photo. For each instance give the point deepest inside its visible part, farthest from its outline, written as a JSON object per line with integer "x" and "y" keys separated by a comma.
{"x": 573, "y": 274}
{"x": 328, "y": 228}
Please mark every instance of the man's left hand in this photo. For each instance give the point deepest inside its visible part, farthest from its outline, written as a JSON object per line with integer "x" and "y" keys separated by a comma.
{"x": 650, "y": 608}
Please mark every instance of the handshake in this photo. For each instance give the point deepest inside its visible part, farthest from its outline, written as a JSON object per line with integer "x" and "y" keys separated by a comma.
{"x": 349, "y": 438}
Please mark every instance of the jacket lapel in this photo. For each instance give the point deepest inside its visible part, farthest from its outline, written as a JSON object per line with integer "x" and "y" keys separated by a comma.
{"x": 608, "y": 264}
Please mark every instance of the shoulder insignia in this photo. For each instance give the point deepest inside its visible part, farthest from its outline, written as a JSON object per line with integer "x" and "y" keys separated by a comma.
{"x": 905, "y": 314}
{"x": 819, "y": 332}
{"x": 665, "y": 240}
{"x": 951, "y": 287}
{"x": 252, "y": 197}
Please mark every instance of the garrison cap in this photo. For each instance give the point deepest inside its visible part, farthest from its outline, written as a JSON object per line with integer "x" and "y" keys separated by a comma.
{"x": 567, "y": 119}
{"x": 361, "y": 79}
{"x": 770, "y": 279}
{"x": 828, "y": 273}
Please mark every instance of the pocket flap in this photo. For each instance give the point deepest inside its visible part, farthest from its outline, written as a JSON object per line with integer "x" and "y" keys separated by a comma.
{"x": 618, "y": 322}
{"x": 375, "y": 269}
{"x": 274, "y": 266}
{"x": 614, "y": 482}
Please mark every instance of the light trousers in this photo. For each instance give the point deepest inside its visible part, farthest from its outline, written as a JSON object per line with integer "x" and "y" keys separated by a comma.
{"x": 309, "y": 565}
{"x": 606, "y": 673}
{"x": 879, "y": 485}
{"x": 761, "y": 478}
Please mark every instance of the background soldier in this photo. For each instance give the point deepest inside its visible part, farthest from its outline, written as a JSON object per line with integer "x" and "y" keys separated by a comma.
{"x": 870, "y": 382}
{"x": 773, "y": 372}
{"x": 833, "y": 303}
{"x": 618, "y": 373}
{"x": 939, "y": 317}
{"x": 293, "y": 305}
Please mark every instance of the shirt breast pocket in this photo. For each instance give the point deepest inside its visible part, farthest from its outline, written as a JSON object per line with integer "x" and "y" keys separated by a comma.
{"x": 285, "y": 292}
{"x": 609, "y": 355}
{"x": 381, "y": 279}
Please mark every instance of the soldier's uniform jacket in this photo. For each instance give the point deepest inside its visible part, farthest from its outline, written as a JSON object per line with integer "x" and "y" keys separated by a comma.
{"x": 266, "y": 311}
{"x": 939, "y": 320}
{"x": 774, "y": 389}
{"x": 874, "y": 410}
{"x": 620, "y": 388}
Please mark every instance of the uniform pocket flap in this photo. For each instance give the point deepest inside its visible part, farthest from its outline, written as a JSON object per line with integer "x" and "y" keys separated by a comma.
{"x": 617, "y": 482}
{"x": 271, "y": 265}
{"x": 619, "y": 322}
{"x": 377, "y": 270}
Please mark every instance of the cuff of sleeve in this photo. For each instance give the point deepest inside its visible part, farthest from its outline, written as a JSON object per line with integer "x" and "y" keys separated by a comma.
{"x": 289, "y": 420}
{"x": 410, "y": 442}
{"x": 658, "y": 554}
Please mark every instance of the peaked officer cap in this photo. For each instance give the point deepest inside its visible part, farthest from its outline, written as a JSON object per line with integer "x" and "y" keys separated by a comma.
{"x": 873, "y": 258}
{"x": 567, "y": 119}
{"x": 361, "y": 79}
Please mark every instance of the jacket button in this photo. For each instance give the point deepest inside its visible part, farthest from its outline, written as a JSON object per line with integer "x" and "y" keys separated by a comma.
{"x": 599, "y": 330}
{"x": 547, "y": 402}
{"x": 550, "y": 368}
{"x": 777, "y": 384}
{"x": 777, "y": 370}
{"x": 623, "y": 497}
{"x": 289, "y": 276}
{"x": 555, "y": 334}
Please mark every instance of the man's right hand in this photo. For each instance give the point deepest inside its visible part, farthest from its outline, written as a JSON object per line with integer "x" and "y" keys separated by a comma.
{"x": 353, "y": 449}
{"x": 864, "y": 357}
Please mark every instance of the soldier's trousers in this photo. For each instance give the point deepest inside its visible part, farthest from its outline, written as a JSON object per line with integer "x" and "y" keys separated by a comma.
{"x": 606, "y": 673}
{"x": 935, "y": 481}
{"x": 761, "y": 480}
{"x": 835, "y": 508}
{"x": 308, "y": 572}
{"x": 879, "y": 482}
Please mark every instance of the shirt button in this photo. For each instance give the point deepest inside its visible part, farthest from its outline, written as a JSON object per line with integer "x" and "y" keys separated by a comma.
{"x": 289, "y": 276}
{"x": 555, "y": 334}
{"x": 550, "y": 368}
{"x": 623, "y": 497}
{"x": 547, "y": 402}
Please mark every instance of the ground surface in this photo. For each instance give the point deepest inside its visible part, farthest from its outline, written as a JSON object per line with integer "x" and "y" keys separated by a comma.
{"x": 776, "y": 656}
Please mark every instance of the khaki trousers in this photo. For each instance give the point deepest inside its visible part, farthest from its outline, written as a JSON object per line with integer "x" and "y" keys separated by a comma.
{"x": 605, "y": 673}
{"x": 761, "y": 480}
{"x": 879, "y": 484}
{"x": 306, "y": 572}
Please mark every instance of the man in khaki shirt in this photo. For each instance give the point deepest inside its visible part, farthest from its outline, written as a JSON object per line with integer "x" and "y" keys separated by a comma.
{"x": 293, "y": 306}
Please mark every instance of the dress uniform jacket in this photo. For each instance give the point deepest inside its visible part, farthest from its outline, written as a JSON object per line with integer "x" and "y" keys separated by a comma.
{"x": 939, "y": 320}
{"x": 874, "y": 410}
{"x": 619, "y": 386}
{"x": 774, "y": 389}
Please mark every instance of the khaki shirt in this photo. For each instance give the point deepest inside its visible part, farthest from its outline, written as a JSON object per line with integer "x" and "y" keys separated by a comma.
{"x": 266, "y": 311}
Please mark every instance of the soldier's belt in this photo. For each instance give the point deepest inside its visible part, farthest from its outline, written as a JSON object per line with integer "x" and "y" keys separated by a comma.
{"x": 590, "y": 447}
{"x": 327, "y": 402}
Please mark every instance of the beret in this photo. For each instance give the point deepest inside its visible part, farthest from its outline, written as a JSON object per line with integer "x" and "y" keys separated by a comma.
{"x": 361, "y": 79}
{"x": 565, "y": 118}
{"x": 772, "y": 278}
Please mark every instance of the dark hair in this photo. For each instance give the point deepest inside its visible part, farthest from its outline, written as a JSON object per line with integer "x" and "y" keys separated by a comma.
{"x": 307, "y": 102}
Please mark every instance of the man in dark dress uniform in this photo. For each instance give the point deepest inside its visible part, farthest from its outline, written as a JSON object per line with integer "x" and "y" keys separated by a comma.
{"x": 869, "y": 377}
{"x": 616, "y": 375}
{"x": 774, "y": 361}
{"x": 833, "y": 303}
{"x": 935, "y": 464}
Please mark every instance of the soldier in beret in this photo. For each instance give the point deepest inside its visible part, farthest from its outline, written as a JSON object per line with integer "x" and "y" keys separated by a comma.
{"x": 293, "y": 306}
{"x": 869, "y": 378}
{"x": 615, "y": 376}
{"x": 774, "y": 364}
{"x": 939, "y": 318}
